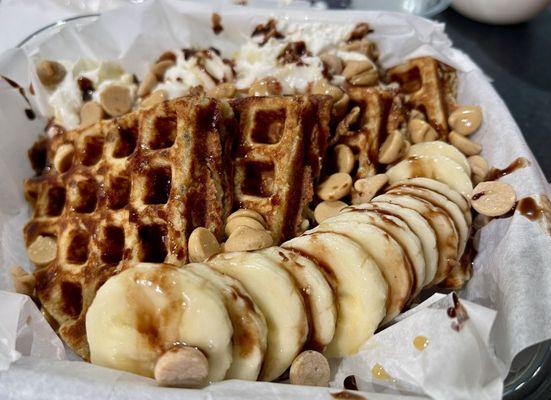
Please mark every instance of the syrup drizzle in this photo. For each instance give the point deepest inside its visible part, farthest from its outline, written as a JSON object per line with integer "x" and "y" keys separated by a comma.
{"x": 516, "y": 164}
{"x": 28, "y": 111}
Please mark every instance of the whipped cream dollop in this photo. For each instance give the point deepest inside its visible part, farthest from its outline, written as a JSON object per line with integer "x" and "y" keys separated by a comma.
{"x": 260, "y": 56}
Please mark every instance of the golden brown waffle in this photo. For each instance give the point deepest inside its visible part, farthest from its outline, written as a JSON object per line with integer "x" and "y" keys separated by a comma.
{"x": 135, "y": 189}
{"x": 429, "y": 87}
{"x": 281, "y": 142}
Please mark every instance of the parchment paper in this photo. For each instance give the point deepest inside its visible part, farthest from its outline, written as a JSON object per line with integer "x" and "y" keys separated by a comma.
{"x": 510, "y": 277}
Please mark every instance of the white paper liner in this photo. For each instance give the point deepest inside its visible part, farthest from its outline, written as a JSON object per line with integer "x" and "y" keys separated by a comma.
{"x": 510, "y": 269}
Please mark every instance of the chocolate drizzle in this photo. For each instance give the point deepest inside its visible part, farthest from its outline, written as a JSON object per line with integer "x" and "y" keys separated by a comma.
{"x": 458, "y": 313}
{"x": 540, "y": 212}
{"x": 86, "y": 87}
{"x": 28, "y": 111}
{"x": 350, "y": 383}
{"x": 293, "y": 53}
{"x": 267, "y": 31}
{"x": 518, "y": 163}
{"x": 216, "y": 20}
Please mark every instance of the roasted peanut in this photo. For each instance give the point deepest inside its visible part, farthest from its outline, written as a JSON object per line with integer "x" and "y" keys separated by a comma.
{"x": 367, "y": 188}
{"x": 479, "y": 168}
{"x": 364, "y": 46}
{"x": 344, "y": 158}
{"x": 236, "y": 222}
{"x": 222, "y": 91}
{"x": 147, "y": 85}
{"x": 266, "y": 87}
{"x": 245, "y": 238}
{"x": 202, "y": 244}
{"x": 245, "y": 212}
{"x": 465, "y": 120}
{"x": 393, "y": 148}
{"x": 159, "y": 68}
{"x": 361, "y": 72}
{"x": 421, "y": 131}
{"x": 463, "y": 144}
{"x": 158, "y": 96}
{"x": 335, "y": 187}
{"x": 332, "y": 63}
{"x": 327, "y": 209}
{"x": 322, "y": 86}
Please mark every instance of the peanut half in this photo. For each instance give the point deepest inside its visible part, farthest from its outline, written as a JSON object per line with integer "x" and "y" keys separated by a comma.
{"x": 202, "y": 244}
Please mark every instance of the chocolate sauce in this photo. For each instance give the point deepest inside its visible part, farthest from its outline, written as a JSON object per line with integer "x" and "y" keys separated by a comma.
{"x": 350, "y": 383}
{"x": 86, "y": 87}
{"x": 529, "y": 208}
{"x": 344, "y": 395}
{"x": 28, "y": 111}
{"x": 518, "y": 163}
{"x": 293, "y": 53}
{"x": 37, "y": 154}
{"x": 360, "y": 31}
{"x": 458, "y": 313}
{"x": 477, "y": 196}
{"x": 216, "y": 20}
{"x": 267, "y": 31}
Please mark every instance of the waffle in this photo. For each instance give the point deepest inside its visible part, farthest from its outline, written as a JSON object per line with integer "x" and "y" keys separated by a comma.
{"x": 429, "y": 87}
{"x": 280, "y": 146}
{"x": 135, "y": 189}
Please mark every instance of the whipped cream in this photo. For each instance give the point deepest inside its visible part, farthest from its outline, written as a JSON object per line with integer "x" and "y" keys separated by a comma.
{"x": 256, "y": 60}
{"x": 201, "y": 68}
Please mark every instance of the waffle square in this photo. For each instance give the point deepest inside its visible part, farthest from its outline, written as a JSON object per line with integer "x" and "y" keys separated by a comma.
{"x": 280, "y": 144}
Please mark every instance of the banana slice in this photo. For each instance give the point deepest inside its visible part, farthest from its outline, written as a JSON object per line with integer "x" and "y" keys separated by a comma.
{"x": 453, "y": 211}
{"x": 439, "y": 148}
{"x": 276, "y": 294}
{"x": 142, "y": 312}
{"x": 400, "y": 232}
{"x": 387, "y": 254}
{"x": 446, "y": 234}
{"x": 317, "y": 293}
{"x": 441, "y": 168}
{"x": 360, "y": 287}
{"x": 444, "y": 190}
{"x": 418, "y": 225}
{"x": 249, "y": 326}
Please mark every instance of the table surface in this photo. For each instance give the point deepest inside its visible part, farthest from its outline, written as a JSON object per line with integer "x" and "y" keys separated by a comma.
{"x": 517, "y": 58}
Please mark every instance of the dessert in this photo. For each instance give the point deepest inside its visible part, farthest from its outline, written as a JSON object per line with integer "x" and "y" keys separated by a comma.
{"x": 236, "y": 218}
